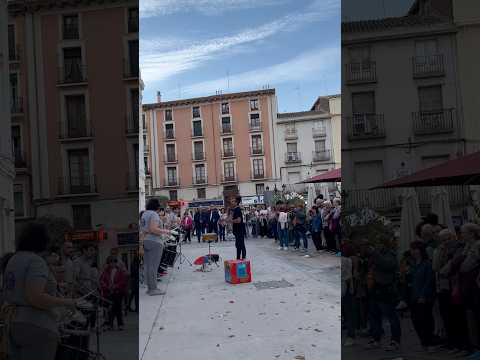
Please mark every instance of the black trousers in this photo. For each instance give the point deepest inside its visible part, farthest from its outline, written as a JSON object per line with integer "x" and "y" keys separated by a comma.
{"x": 240, "y": 245}
{"x": 423, "y": 322}
{"x": 134, "y": 294}
{"x": 187, "y": 235}
{"x": 198, "y": 230}
{"x": 116, "y": 309}
{"x": 317, "y": 240}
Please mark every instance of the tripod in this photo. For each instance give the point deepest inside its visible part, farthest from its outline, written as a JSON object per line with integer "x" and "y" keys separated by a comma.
{"x": 181, "y": 256}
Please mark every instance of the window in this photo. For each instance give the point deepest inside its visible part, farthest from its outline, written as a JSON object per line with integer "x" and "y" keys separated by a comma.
{"x": 200, "y": 173}
{"x": 168, "y": 115}
{"x": 133, "y": 125}
{"x": 72, "y": 65}
{"x": 172, "y": 176}
{"x": 256, "y": 144}
{"x": 201, "y": 193}
{"x": 425, "y": 48}
{"x": 136, "y": 159}
{"x": 255, "y": 121}
{"x": 132, "y": 58}
{"x": 15, "y": 104}
{"x": 18, "y": 200}
{"x": 144, "y": 123}
{"x": 82, "y": 217}
{"x": 70, "y": 27}
{"x": 17, "y": 145}
{"x": 197, "y": 128}
{"x": 229, "y": 170}
{"x": 145, "y": 165}
{"x": 76, "y": 125}
{"x": 172, "y": 194}
{"x": 319, "y": 146}
{"x": 226, "y": 125}
{"x": 259, "y": 189}
{"x": 291, "y": 147}
{"x": 430, "y": 98}
{"x": 169, "y": 134}
{"x": 133, "y": 20}
{"x": 171, "y": 152}
{"x": 79, "y": 171}
{"x": 228, "y": 147}
{"x": 258, "y": 168}
{"x": 253, "y": 104}
{"x": 198, "y": 150}
{"x": 225, "y": 108}
{"x": 363, "y": 103}
{"x": 360, "y": 54}
{"x": 196, "y": 112}
{"x": 12, "y": 46}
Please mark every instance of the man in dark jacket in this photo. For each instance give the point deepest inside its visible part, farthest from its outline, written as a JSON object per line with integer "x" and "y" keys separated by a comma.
{"x": 213, "y": 218}
{"x": 205, "y": 219}
{"x": 197, "y": 222}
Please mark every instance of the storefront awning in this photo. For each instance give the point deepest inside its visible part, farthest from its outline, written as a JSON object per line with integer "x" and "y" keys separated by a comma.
{"x": 334, "y": 175}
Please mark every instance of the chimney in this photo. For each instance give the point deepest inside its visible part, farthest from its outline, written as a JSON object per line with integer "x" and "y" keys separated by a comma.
{"x": 159, "y": 97}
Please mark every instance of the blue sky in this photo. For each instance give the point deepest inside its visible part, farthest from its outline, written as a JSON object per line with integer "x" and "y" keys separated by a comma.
{"x": 192, "y": 48}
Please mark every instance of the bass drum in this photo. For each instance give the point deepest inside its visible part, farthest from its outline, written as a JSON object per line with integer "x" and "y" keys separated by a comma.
{"x": 169, "y": 255}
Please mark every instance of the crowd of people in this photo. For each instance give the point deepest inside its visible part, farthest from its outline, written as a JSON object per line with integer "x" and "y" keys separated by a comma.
{"x": 41, "y": 280}
{"x": 437, "y": 282}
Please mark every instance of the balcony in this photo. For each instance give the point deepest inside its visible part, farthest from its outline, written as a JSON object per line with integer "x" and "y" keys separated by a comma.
{"x": 226, "y": 129}
{"x": 319, "y": 132}
{"x": 77, "y": 186}
{"x": 169, "y": 134}
{"x": 255, "y": 125}
{"x": 16, "y": 105}
{"x": 228, "y": 178}
{"x": 323, "y": 155}
{"x": 256, "y": 150}
{"x": 14, "y": 53}
{"x": 428, "y": 66}
{"x": 72, "y": 73}
{"x": 19, "y": 159}
{"x": 293, "y": 157}
{"x": 198, "y": 156}
{"x": 365, "y": 126}
{"x": 199, "y": 180}
{"x": 228, "y": 153}
{"x": 291, "y": 134}
{"x": 132, "y": 182}
{"x": 433, "y": 122}
{"x": 130, "y": 69}
{"x": 171, "y": 182}
{"x": 257, "y": 175}
{"x": 361, "y": 72}
{"x": 132, "y": 124}
{"x": 79, "y": 131}
{"x": 171, "y": 158}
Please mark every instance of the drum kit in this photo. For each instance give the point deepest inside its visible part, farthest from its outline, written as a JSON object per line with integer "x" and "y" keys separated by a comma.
{"x": 172, "y": 252}
{"x": 75, "y": 333}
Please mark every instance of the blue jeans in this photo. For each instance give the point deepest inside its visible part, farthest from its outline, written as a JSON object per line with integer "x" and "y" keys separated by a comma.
{"x": 283, "y": 236}
{"x": 299, "y": 230}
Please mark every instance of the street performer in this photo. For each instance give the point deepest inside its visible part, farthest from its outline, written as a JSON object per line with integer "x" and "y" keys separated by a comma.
{"x": 238, "y": 228}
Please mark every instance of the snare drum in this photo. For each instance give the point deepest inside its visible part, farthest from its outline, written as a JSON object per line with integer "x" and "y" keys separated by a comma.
{"x": 74, "y": 345}
{"x": 169, "y": 255}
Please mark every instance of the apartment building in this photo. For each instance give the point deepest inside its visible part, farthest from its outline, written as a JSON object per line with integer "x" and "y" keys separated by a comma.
{"x": 395, "y": 124}
{"x": 306, "y": 143}
{"x": 75, "y": 113}
{"x": 209, "y": 147}
{"x": 7, "y": 171}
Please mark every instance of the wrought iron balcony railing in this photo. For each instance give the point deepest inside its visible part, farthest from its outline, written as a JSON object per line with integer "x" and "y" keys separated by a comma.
{"x": 365, "y": 126}
{"x": 361, "y": 72}
{"x": 429, "y": 65}
{"x": 434, "y": 121}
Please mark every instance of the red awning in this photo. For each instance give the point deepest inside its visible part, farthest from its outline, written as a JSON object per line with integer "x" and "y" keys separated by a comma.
{"x": 334, "y": 175}
{"x": 464, "y": 170}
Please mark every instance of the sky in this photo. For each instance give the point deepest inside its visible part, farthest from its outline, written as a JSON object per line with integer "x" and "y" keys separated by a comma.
{"x": 191, "y": 48}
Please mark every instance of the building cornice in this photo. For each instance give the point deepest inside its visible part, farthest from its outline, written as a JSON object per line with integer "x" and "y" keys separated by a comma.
{"x": 207, "y": 99}
{"x": 21, "y": 7}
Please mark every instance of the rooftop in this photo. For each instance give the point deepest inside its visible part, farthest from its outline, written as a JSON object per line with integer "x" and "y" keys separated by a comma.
{"x": 392, "y": 23}
{"x": 301, "y": 114}
{"x": 207, "y": 99}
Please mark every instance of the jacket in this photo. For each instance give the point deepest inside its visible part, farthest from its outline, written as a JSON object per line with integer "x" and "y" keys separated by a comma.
{"x": 119, "y": 284}
{"x": 423, "y": 281}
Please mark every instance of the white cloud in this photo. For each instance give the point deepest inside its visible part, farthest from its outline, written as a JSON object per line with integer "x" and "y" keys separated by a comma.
{"x": 163, "y": 58}
{"x": 305, "y": 67}
{"x": 150, "y": 8}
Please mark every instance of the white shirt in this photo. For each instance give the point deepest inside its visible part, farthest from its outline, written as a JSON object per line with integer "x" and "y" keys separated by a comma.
{"x": 282, "y": 219}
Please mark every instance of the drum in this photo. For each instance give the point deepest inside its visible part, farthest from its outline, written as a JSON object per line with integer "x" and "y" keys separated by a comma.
{"x": 169, "y": 255}
{"x": 74, "y": 345}
{"x": 209, "y": 237}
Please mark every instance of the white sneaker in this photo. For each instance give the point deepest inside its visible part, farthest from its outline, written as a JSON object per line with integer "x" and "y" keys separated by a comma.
{"x": 401, "y": 305}
{"x": 279, "y": 248}
{"x": 306, "y": 256}
{"x": 285, "y": 248}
